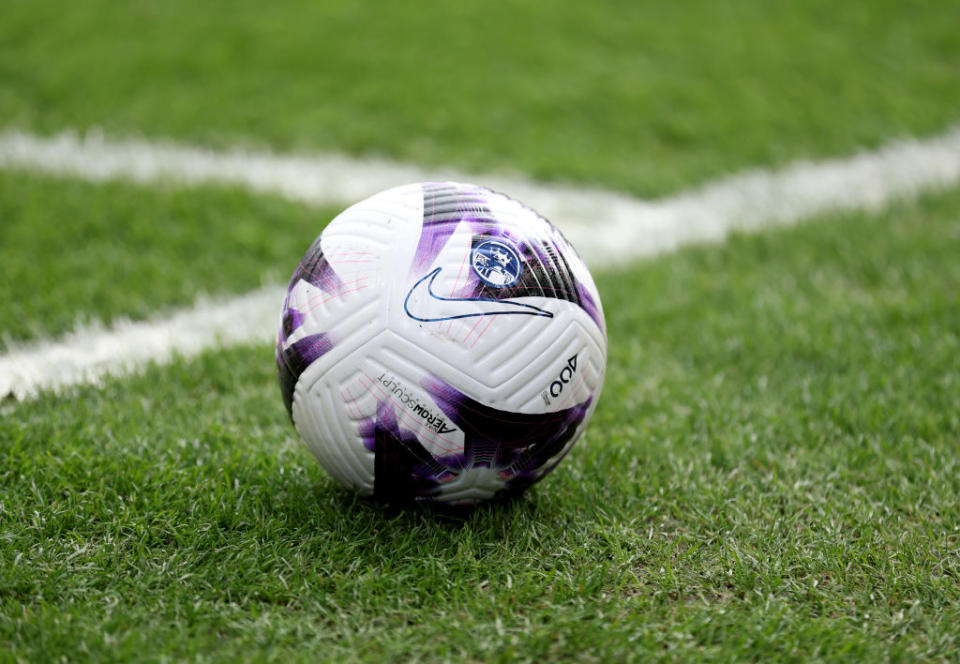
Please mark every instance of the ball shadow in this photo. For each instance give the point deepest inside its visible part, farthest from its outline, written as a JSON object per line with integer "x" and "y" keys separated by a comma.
{"x": 316, "y": 504}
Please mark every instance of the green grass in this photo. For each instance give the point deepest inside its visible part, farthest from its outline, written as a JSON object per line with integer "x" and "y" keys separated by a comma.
{"x": 644, "y": 97}
{"x": 772, "y": 474}
{"x": 72, "y": 251}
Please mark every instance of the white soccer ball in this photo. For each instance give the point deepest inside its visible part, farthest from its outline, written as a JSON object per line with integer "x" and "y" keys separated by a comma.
{"x": 441, "y": 342}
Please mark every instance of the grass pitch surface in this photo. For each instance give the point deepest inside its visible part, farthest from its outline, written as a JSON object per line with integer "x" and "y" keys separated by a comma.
{"x": 771, "y": 474}
{"x": 644, "y": 97}
{"x": 73, "y": 252}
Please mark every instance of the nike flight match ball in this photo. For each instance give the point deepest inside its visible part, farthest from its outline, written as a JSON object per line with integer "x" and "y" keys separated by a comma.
{"x": 440, "y": 342}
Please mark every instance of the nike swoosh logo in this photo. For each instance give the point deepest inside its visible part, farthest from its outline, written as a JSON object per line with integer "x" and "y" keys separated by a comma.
{"x": 470, "y": 307}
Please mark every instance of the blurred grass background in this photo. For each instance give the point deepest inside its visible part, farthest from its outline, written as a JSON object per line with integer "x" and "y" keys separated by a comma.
{"x": 643, "y": 97}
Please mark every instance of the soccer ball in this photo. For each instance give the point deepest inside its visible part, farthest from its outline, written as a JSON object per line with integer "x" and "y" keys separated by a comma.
{"x": 440, "y": 342}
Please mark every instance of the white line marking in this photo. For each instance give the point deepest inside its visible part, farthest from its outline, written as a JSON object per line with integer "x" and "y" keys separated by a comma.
{"x": 606, "y": 227}
{"x": 90, "y": 353}
{"x": 603, "y": 225}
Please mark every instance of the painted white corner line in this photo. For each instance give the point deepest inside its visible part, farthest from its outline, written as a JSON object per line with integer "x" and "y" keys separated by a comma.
{"x": 603, "y": 225}
{"x": 606, "y": 227}
{"x": 88, "y": 354}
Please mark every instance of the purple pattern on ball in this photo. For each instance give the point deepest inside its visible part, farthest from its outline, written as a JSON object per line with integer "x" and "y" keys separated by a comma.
{"x": 368, "y": 433}
{"x": 306, "y": 351}
{"x": 293, "y": 359}
{"x": 403, "y": 469}
{"x": 545, "y": 272}
{"x": 444, "y": 206}
{"x": 291, "y": 321}
{"x": 315, "y": 269}
{"x": 590, "y": 306}
{"x": 521, "y": 447}
{"x": 519, "y": 442}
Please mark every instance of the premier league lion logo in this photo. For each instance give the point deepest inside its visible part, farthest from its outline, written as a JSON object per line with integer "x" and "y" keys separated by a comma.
{"x": 496, "y": 263}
